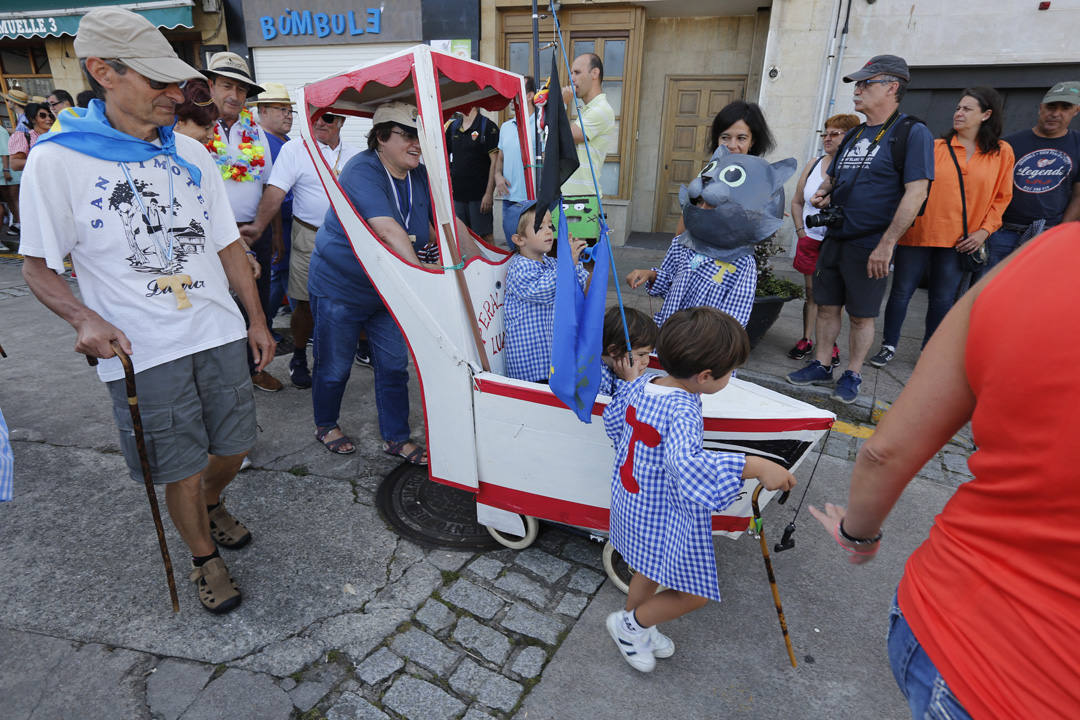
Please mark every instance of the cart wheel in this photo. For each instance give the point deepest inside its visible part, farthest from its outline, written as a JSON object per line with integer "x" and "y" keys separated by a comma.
{"x": 616, "y": 568}
{"x": 518, "y": 542}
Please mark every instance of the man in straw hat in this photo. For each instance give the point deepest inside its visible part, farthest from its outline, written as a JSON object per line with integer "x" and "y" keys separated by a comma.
{"x": 142, "y": 212}
{"x": 242, "y": 152}
{"x": 276, "y": 117}
{"x": 17, "y": 100}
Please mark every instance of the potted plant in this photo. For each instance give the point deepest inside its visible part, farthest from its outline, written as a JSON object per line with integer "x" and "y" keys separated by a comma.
{"x": 772, "y": 292}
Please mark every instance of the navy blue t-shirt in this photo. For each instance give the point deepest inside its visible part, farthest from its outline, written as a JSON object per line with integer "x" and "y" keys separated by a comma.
{"x": 334, "y": 271}
{"x": 1043, "y": 176}
{"x": 870, "y": 199}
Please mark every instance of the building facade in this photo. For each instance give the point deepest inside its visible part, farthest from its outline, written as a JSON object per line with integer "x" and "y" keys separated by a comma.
{"x": 36, "y": 40}
{"x": 670, "y": 65}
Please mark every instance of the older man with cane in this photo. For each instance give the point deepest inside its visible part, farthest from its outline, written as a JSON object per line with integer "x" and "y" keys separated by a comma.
{"x": 144, "y": 215}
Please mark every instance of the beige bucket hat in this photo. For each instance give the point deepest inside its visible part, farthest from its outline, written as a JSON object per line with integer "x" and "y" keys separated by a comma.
{"x": 113, "y": 32}
{"x": 273, "y": 94}
{"x": 17, "y": 96}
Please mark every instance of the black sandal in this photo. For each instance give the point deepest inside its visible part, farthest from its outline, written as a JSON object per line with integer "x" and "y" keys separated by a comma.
{"x": 334, "y": 446}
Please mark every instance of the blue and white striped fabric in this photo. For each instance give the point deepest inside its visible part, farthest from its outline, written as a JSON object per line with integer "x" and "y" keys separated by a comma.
{"x": 686, "y": 279}
{"x": 7, "y": 462}
{"x": 529, "y": 314}
{"x": 663, "y": 527}
{"x": 608, "y": 380}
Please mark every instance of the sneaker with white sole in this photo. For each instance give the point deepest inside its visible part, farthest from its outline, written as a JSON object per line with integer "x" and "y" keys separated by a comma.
{"x": 635, "y": 647}
{"x": 814, "y": 373}
{"x": 662, "y": 646}
{"x": 847, "y": 387}
{"x": 884, "y": 355}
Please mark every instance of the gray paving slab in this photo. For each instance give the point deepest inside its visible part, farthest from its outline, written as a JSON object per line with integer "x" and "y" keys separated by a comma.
{"x": 418, "y": 699}
{"x": 521, "y": 618}
{"x": 174, "y": 685}
{"x": 357, "y": 634}
{"x": 239, "y": 693}
{"x": 529, "y": 662}
{"x": 491, "y": 644}
{"x": 490, "y": 688}
{"x": 307, "y": 695}
{"x": 352, "y": 706}
{"x": 378, "y": 666}
{"x": 422, "y": 649}
{"x": 473, "y": 598}
{"x": 435, "y": 616}
{"x": 542, "y": 563}
{"x": 486, "y": 567}
{"x": 44, "y": 677}
{"x": 524, "y": 588}
{"x": 572, "y": 604}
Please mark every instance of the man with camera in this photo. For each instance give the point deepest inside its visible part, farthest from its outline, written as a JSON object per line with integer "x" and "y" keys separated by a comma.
{"x": 877, "y": 183}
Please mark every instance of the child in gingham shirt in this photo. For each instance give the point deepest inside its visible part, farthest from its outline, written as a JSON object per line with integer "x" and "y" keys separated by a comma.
{"x": 642, "y": 332}
{"x": 665, "y": 485}
{"x": 530, "y": 297}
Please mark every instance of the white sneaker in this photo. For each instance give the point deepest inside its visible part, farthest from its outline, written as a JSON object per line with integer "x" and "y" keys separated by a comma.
{"x": 635, "y": 649}
{"x": 662, "y": 646}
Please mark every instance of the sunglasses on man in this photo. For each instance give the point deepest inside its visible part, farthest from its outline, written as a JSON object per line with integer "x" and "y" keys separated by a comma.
{"x": 45, "y": 115}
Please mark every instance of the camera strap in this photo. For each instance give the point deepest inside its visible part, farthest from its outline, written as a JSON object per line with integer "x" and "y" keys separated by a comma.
{"x": 873, "y": 144}
{"x": 960, "y": 177}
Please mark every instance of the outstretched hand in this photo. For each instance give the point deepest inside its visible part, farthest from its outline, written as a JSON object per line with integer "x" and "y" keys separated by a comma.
{"x": 830, "y": 520}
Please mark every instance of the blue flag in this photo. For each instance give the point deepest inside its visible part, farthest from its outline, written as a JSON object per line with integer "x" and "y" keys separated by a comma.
{"x": 578, "y": 328}
{"x": 88, "y": 131}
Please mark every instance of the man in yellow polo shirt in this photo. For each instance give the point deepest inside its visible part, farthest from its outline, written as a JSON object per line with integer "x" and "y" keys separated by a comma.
{"x": 597, "y": 123}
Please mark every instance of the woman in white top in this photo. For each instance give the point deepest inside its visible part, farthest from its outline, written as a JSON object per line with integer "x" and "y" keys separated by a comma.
{"x": 809, "y": 243}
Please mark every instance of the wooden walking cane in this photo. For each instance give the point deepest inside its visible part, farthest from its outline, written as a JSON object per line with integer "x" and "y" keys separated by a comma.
{"x": 144, "y": 461}
{"x": 758, "y": 528}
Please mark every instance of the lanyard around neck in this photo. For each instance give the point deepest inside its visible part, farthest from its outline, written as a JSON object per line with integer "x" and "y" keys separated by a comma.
{"x": 164, "y": 249}
{"x": 407, "y": 213}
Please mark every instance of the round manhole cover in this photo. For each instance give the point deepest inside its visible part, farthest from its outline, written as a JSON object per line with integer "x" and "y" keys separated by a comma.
{"x": 431, "y": 513}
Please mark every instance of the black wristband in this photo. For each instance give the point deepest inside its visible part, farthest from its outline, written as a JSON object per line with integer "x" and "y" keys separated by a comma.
{"x": 859, "y": 541}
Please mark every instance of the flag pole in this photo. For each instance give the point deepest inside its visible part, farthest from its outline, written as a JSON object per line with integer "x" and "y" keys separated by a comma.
{"x": 536, "y": 84}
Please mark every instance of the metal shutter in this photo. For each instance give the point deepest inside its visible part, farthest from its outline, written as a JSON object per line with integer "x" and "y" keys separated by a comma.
{"x": 297, "y": 66}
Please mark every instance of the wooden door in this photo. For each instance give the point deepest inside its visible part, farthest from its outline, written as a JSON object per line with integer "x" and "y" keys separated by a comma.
{"x": 690, "y": 104}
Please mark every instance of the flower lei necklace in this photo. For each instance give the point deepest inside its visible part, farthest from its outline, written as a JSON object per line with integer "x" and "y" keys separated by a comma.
{"x": 248, "y": 166}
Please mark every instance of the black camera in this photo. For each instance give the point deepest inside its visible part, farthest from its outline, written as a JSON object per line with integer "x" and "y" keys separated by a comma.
{"x": 830, "y": 217}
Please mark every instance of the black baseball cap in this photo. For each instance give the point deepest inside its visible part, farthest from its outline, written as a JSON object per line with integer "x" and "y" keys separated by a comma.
{"x": 881, "y": 65}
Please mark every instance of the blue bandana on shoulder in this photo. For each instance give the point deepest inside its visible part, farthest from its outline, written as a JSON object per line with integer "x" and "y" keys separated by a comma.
{"x": 88, "y": 131}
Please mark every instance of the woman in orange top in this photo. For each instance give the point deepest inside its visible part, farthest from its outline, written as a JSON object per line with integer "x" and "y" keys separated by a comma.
{"x": 937, "y": 238}
{"x": 986, "y": 622}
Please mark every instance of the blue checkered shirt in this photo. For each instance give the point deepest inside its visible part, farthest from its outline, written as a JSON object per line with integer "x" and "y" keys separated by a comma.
{"x": 529, "y": 314}
{"x": 608, "y": 380}
{"x": 686, "y": 279}
{"x": 7, "y": 462}
{"x": 664, "y": 529}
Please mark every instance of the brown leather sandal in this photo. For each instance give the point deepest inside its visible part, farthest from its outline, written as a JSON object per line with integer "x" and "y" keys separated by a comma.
{"x": 227, "y": 531}
{"x": 217, "y": 590}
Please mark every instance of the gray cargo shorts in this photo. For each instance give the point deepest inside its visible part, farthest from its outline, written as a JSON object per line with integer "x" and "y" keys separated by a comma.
{"x": 191, "y": 406}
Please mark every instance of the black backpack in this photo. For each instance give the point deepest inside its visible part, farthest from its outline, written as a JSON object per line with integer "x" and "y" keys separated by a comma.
{"x": 898, "y": 141}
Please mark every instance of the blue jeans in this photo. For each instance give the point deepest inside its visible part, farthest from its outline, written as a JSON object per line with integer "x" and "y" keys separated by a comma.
{"x": 909, "y": 264}
{"x": 338, "y": 325}
{"x": 511, "y": 213}
{"x": 998, "y": 246}
{"x": 279, "y": 273}
{"x": 927, "y": 693}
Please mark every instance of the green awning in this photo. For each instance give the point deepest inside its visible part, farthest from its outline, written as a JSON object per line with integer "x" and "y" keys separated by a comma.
{"x": 50, "y": 18}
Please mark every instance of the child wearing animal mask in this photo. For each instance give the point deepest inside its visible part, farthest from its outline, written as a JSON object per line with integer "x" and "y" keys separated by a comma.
{"x": 530, "y": 297}
{"x": 736, "y": 202}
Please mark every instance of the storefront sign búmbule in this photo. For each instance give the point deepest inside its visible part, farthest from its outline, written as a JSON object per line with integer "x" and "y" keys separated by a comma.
{"x": 275, "y": 23}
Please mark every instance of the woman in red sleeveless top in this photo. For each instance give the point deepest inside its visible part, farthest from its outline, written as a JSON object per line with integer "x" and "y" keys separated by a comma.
{"x": 987, "y": 621}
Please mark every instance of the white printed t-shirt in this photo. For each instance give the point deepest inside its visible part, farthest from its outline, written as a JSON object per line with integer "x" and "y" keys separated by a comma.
{"x": 294, "y": 170}
{"x": 74, "y": 203}
{"x": 244, "y": 196}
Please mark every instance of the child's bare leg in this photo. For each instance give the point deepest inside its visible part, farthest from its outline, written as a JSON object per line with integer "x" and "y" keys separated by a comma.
{"x": 668, "y": 605}
{"x": 641, "y": 589}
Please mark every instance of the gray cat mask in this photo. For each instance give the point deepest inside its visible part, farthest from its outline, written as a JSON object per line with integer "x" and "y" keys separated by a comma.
{"x": 747, "y": 195}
